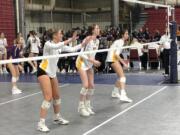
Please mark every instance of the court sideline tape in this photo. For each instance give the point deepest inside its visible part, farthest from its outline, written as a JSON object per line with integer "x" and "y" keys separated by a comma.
{"x": 27, "y": 96}
{"x": 126, "y": 110}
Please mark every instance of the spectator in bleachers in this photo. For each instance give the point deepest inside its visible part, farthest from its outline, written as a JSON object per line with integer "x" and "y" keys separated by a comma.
{"x": 3, "y": 52}
{"x": 140, "y": 35}
{"x": 154, "y": 65}
{"x": 135, "y": 34}
{"x": 146, "y": 35}
{"x": 141, "y": 39}
{"x": 155, "y": 46}
{"x": 46, "y": 37}
{"x": 27, "y": 66}
{"x": 157, "y": 36}
{"x": 139, "y": 47}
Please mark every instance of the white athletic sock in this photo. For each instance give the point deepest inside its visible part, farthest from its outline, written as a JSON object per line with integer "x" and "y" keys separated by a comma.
{"x": 57, "y": 115}
{"x": 88, "y": 102}
{"x": 14, "y": 87}
{"x": 81, "y": 102}
{"x": 116, "y": 89}
{"x": 123, "y": 92}
{"x": 42, "y": 120}
{"x": 17, "y": 78}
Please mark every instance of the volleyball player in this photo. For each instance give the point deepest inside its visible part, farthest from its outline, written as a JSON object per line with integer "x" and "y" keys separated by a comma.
{"x": 84, "y": 64}
{"x": 115, "y": 61}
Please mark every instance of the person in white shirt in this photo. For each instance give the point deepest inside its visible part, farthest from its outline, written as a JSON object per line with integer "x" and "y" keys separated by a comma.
{"x": 166, "y": 45}
{"x": 34, "y": 44}
{"x": 46, "y": 74}
{"x": 114, "y": 60}
{"x": 137, "y": 46}
{"x": 154, "y": 46}
{"x": 3, "y": 52}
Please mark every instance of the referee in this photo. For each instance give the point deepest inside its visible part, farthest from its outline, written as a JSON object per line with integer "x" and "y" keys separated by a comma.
{"x": 166, "y": 45}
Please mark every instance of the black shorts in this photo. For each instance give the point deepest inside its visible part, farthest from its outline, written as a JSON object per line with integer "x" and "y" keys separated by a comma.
{"x": 110, "y": 63}
{"x": 40, "y": 72}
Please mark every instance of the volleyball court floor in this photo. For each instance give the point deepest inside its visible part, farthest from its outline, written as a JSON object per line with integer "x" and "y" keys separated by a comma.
{"x": 155, "y": 110}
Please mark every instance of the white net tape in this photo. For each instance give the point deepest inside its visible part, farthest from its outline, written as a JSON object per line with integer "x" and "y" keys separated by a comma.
{"x": 67, "y": 54}
{"x": 148, "y": 3}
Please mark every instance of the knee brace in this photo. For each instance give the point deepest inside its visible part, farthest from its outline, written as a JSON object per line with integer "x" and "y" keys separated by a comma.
{"x": 45, "y": 105}
{"x": 57, "y": 102}
{"x": 91, "y": 92}
{"x": 13, "y": 80}
{"x": 83, "y": 91}
{"x": 122, "y": 79}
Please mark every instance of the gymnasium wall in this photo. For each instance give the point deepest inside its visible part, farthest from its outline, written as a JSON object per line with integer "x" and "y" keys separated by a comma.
{"x": 63, "y": 3}
{"x": 91, "y": 3}
{"x": 7, "y": 19}
{"x": 64, "y": 21}
{"x": 67, "y": 21}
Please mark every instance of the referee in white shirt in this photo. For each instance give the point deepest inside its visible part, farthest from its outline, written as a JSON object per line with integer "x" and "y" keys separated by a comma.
{"x": 166, "y": 44}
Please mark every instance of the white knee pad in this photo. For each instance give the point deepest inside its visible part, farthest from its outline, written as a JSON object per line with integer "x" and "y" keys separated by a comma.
{"x": 122, "y": 79}
{"x": 83, "y": 91}
{"x": 17, "y": 78}
{"x": 57, "y": 102}
{"x": 45, "y": 105}
{"x": 13, "y": 79}
{"x": 91, "y": 92}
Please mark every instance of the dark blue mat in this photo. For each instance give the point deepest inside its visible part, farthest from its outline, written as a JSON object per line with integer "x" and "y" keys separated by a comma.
{"x": 132, "y": 79}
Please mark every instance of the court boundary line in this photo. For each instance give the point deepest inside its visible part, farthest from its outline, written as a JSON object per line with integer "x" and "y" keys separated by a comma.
{"x": 124, "y": 111}
{"x": 27, "y": 96}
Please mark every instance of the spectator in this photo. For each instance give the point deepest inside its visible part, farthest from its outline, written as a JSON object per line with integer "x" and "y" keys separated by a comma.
{"x": 140, "y": 35}
{"x": 139, "y": 47}
{"x": 34, "y": 44}
{"x": 157, "y": 36}
{"x": 146, "y": 35}
{"x": 3, "y": 52}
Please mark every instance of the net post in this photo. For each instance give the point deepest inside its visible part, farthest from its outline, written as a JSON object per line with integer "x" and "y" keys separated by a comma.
{"x": 173, "y": 54}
